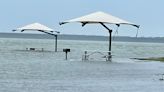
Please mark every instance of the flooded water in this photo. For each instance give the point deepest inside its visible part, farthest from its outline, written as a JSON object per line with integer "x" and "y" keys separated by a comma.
{"x": 48, "y": 71}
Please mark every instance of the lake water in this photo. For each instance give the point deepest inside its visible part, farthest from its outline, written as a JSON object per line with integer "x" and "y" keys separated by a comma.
{"x": 48, "y": 71}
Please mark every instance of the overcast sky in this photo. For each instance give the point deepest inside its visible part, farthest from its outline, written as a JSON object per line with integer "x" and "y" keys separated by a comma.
{"x": 147, "y": 13}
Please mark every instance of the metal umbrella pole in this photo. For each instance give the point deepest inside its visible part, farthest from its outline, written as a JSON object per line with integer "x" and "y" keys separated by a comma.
{"x": 55, "y": 35}
{"x": 110, "y": 41}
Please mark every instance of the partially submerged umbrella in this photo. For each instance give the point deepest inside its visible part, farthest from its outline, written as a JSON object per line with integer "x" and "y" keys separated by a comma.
{"x": 101, "y": 18}
{"x": 41, "y": 28}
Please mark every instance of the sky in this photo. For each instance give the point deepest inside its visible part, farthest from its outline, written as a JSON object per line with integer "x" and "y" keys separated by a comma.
{"x": 146, "y": 13}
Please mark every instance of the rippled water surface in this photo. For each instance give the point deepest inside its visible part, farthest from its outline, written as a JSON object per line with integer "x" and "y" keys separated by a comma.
{"x": 48, "y": 71}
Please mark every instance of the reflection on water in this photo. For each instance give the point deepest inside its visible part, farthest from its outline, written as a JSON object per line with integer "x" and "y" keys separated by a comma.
{"x": 47, "y": 71}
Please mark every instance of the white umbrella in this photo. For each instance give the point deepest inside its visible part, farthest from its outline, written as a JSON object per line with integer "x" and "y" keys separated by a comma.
{"x": 101, "y": 18}
{"x": 41, "y": 28}
{"x": 36, "y": 27}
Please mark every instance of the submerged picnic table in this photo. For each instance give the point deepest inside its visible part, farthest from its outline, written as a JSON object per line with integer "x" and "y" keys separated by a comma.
{"x": 88, "y": 53}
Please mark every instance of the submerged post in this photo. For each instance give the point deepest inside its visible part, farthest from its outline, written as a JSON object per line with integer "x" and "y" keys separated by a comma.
{"x": 66, "y": 52}
{"x": 110, "y": 45}
{"x": 56, "y": 37}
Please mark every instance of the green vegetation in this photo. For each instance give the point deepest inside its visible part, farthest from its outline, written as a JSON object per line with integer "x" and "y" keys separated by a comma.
{"x": 152, "y": 59}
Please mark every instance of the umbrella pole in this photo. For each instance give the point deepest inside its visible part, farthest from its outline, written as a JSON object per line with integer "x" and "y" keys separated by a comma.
{"x": 56, "y": 37}
{"x": 110, "y": 41}
{"x": 110, "y": 45}
{"x": 52, "y": 35}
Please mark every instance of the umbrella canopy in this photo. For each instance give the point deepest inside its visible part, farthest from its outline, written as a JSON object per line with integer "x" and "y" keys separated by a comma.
{"x": 101, "y": 18}
{"x": 41, "y": 28}
{"x": 35, "y": 26}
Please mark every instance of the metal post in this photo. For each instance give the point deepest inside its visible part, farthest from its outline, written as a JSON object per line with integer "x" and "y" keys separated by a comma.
{"x": 110, "y": 46}
{"x": 66, "y": 51}
{"x": 110, "y": 41}
{"x": 56, "y": 37}
{"x": 66, "y": 55}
